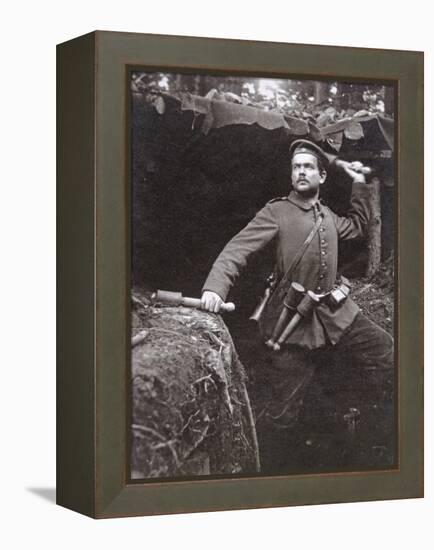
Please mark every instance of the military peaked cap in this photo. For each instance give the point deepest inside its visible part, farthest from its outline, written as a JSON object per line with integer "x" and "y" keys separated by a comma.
{"x": 305, "y": 146}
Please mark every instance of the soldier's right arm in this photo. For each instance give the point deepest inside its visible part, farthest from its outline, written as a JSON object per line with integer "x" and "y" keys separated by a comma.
{"x": 231, "y": 261}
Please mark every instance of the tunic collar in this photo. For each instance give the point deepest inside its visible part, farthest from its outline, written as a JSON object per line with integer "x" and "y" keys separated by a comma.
{"x": 292, "y": 197}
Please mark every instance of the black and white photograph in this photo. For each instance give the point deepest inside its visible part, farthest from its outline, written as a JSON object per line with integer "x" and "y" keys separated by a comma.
{"x": 262, "y": 239}
{"x": 217, "y": 230}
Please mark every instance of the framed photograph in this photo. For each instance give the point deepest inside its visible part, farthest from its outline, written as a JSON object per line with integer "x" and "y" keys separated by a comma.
{"x": 239, "y": 273}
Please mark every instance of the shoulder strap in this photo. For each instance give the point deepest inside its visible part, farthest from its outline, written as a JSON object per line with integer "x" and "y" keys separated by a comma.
{"x": 303, "y": 247}
{"x": 277, "y": 199}
{"x": 282, "y": 286}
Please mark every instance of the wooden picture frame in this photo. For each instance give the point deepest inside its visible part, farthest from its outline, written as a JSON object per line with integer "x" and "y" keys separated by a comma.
{"x": 94, "y": 254}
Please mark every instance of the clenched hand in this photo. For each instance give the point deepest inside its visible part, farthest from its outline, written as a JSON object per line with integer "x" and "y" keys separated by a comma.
{"x": 356, "y": 170}
{"x": 211, "y": 301}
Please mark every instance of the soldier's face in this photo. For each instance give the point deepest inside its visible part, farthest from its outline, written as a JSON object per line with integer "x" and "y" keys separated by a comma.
{"x": 306, "y": 176}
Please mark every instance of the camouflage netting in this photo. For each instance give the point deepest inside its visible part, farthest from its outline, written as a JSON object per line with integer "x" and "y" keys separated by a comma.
{"x": 190, "y": 409}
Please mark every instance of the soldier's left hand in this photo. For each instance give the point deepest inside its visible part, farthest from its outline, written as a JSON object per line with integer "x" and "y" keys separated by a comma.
{"x": 356, "y": 170}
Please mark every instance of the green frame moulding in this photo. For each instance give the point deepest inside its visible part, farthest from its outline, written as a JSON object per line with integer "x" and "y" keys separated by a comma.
{"x": 93, "y": 271}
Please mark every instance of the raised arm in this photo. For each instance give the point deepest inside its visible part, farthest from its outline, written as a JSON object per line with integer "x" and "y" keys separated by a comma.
{"x": 354, "y": 224}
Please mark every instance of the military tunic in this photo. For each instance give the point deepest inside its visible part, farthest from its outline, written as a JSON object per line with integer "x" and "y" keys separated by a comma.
{"x": 287, "y": 222}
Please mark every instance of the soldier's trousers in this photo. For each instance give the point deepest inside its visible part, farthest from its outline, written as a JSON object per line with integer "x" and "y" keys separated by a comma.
{"x": 364, "y": 348}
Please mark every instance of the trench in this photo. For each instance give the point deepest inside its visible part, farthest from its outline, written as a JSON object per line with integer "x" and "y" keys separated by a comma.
{"x": 187, "y": 202}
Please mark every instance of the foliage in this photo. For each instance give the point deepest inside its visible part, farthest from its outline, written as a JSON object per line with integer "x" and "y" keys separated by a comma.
{"x": 322, "y": 102}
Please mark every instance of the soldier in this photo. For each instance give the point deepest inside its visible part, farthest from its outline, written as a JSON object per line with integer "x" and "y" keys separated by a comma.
{"x": 302, "y": 227}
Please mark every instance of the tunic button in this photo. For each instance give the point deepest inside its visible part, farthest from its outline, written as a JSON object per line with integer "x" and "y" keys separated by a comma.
{"x": 323, "y": 264}
{"x": 321, "y": 276}
{"x": 323, "y": 253}
{"x": 322, "y": 241}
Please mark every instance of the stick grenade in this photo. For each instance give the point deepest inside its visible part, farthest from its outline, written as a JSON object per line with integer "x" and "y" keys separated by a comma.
{"x": 177, "y": 299}
{"x": 292, "y": 299}
{"x": 304, "y": 309}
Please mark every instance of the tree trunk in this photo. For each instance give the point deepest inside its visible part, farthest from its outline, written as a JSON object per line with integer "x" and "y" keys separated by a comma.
{"x": 374, "y": 230}
{"x": 389, "y": 100}
{"x": 321, "y": 92}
